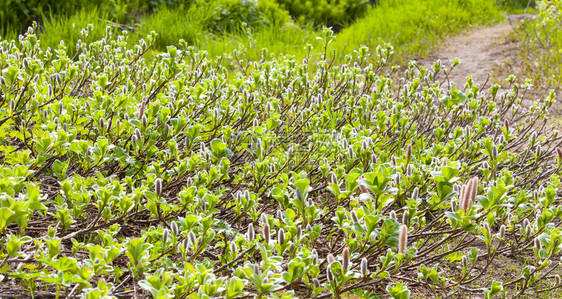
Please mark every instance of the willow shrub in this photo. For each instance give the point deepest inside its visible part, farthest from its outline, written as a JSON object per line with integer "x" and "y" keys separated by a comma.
{"x": 291, "y": 178}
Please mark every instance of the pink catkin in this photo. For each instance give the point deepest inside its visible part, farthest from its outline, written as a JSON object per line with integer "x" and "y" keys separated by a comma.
{"x": 463, "y": 202}
{"x": 474, "y": 189}
{"x": 403, "y": 239}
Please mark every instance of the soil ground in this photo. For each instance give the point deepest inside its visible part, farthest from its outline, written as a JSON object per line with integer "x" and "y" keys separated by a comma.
{"x": 481, "y": 52}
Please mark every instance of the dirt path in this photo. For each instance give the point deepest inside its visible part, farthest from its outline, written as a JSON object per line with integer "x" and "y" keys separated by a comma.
{"x": 478, "y": 50}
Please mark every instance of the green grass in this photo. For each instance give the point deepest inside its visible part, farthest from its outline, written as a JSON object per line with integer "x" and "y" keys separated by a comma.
{"x": 68, "y": 29}
{"x": 412, "y": 27}
{"x": 415, "y": 26}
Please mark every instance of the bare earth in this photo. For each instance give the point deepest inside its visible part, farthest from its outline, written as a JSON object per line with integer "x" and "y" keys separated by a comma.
{"x": 480, "y": 51}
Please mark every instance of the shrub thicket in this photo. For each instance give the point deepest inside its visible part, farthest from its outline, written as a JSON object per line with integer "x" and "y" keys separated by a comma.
{"x": 540, "y": 44}
{"x": 325, "y": 12}
{"x": 120, "y": 177}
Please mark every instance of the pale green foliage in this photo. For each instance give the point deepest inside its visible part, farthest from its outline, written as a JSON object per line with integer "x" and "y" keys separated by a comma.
{"x": 186, "y": 177}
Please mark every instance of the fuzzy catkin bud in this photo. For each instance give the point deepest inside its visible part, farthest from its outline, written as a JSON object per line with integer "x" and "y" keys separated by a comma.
{"x": 185, "y": 243}
{"x": 330, "y": 258}
{"x": 334, "y": 179}
{"x": 502, "y": 232}
{"x": 158, "y": 187}
{"x": 281, "y": 236}
{"x": 557, "y": 280}
{"x": 464, "y": 199}
{"x": 409, "y": 152}
{"x": 266, "y": 233}
{"x": 142, "y": 109}
{"x": 174, "y": 228}
{"x": 233, "y": 247}
{"x": 192, "y": 237}
{"x": 465, "y": 261}
{"x": 416, "y": 193}
{"x": 392, "y": 214}
{"x": 345, "y": 260}
{"x": 528, "y": 230}
{"x": 406, "y": 217}
{"x": 299, "y": 194}
{"x": 251, "y": 233}
{"x": 316, "y": 282}
{"x": 138, "y": 134}
{"x": 314, "y": 257}
{"x": 537, "y": 243}
{"x": 559, "y": 153}
{"x": 364, "y": 266}
{"x": 403, "y": 239}
{"x": 354, "y": 217}
{"x": 144, "y": 121}
{"x": 329, "y": 275}
{"x": 165, "y": 236}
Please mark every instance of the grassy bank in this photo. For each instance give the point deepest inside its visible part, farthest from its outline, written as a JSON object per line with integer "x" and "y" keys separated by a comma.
{"x": 413, "y": 27}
